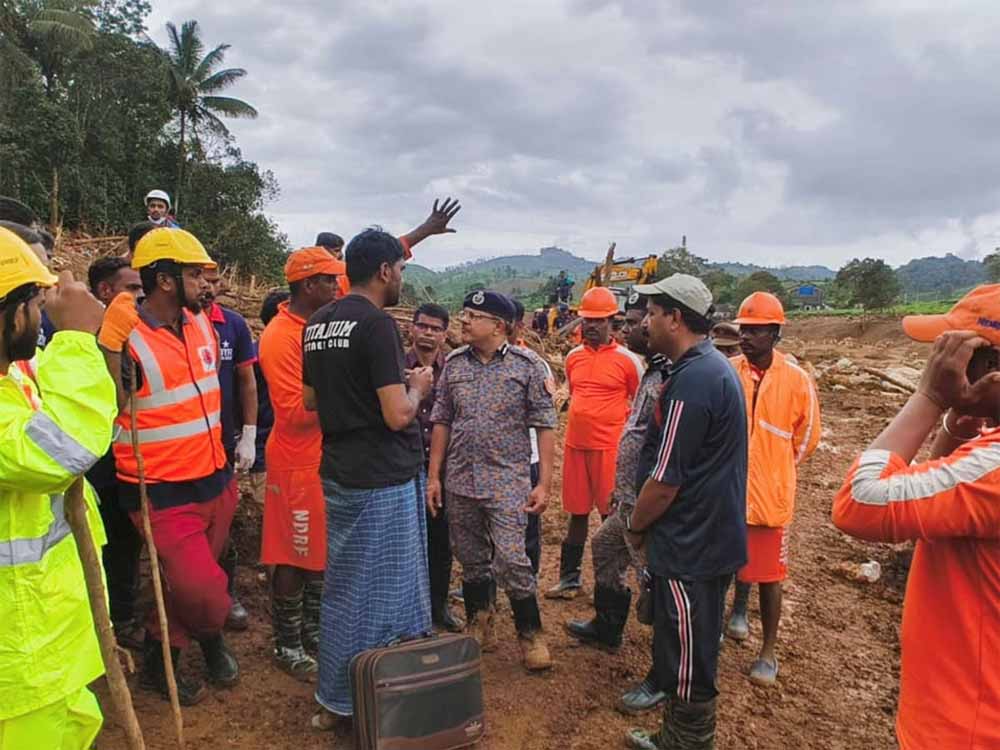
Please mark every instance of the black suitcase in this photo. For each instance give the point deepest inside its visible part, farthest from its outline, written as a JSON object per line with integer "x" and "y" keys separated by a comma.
{"x": 424, "y": 694}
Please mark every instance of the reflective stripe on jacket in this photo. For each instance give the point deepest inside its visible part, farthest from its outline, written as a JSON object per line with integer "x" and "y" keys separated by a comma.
{"x": 949, "y": 687}
{"x": 784, "y": 429}
{"x": 52, "y": 432}
{"x": 178, "y": 406}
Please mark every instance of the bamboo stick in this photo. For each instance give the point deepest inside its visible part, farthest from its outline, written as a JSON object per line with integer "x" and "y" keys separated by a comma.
{"x": 76, "y": 515}
{"x": 154, "y": 564}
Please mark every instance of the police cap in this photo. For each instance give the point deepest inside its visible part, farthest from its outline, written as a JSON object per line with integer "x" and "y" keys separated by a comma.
{"x": 491, "y": 303}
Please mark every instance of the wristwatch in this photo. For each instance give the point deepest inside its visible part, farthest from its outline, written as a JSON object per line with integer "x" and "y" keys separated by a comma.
{"x": 628, "y": 525}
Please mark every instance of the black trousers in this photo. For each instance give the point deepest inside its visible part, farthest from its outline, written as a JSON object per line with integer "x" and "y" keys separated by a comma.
{"x": 120, "y": 555}
{"x": 687, "y": 625}
{"x": 438, "y": 556}
{"x": 533, "y": 534}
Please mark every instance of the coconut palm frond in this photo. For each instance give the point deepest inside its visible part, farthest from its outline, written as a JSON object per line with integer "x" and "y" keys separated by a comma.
{"x": 64, "y": 27}
{"x": 209, "y": 62}
{"x": 228, "y": 106}
{"x": 220, "y": 80}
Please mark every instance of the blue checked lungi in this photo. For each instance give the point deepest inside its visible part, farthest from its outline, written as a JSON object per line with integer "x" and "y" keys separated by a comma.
{"x": 376, "y": 586}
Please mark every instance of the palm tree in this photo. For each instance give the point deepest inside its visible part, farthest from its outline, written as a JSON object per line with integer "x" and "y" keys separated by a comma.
{"x": 194, "y": 84}
{"x": 50, "y": 37}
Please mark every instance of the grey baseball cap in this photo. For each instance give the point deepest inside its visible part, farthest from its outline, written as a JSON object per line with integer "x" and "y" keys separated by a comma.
{"x": 690, "y": 291}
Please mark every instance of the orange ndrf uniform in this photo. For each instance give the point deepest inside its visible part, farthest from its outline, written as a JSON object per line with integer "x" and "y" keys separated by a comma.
{"x": 783, "y": 426}
{"x": 191, "y": 490}
{"x": 294, "y": 511}
{"x": 602, "y": 383}
{"x": 950, "y": 684}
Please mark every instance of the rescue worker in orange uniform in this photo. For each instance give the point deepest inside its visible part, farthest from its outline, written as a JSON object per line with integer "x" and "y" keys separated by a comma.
{"x": 949, "y": 694}
{"x": 603, "y": 377}
{"x": 192, "y": 492}
{"x": 294, "y": 535}
{"x": 784, "y": 428}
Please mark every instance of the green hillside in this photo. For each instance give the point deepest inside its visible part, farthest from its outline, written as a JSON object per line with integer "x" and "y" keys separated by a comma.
{"x": 931, "y": 278}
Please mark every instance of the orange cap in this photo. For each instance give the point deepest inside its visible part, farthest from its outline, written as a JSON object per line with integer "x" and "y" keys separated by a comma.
{"x": 599, "y": 302}
{"x": 977, "y": 311}
{"x": 761, "y": 309}
{"x": 312, "y": 261}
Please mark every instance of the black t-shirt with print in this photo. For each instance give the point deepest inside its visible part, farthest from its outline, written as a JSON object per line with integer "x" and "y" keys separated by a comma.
{"x": 351, "y": 348}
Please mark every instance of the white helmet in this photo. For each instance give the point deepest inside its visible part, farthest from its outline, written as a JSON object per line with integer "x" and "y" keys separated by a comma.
{"x": 159, "y": 195}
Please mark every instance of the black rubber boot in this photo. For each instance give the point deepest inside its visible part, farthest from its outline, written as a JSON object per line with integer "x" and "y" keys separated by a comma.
{"x": 606, "y": 628}
{"x": 289, "y": 653}
{"x": 570, "y": 561}
{"x": 312, "y": 598}
{"x": 190, "y": 692}
{"x": 688, "y": 725}
{"x": 238, "y": 617}
{"x": 223, "y": 669}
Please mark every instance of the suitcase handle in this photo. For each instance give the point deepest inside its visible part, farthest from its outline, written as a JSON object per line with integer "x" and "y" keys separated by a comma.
{"x": 407, "y": 638}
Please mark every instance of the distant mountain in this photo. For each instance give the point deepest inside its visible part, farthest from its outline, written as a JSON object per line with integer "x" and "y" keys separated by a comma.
{"x": 937, "y": 277}
{"x": 785, "y": 273}
{"x": 549, "y": 260}
{"x": 523, "y": 275}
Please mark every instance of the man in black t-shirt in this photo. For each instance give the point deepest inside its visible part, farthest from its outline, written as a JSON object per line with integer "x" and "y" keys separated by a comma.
{"x": 691, "y": 509}
{"x": 376, "y": 583}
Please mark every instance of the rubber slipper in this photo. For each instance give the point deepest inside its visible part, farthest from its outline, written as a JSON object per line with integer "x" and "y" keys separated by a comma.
{"x": 325, "y": 721}
{"x": 764, "y": 673}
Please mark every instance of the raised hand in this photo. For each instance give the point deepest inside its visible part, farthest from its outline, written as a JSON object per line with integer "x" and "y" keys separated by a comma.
{"x": 437, "y": 222}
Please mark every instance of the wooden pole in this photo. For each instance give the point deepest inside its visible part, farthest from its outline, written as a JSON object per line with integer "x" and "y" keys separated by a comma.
{"x": 154, "y": 565}
{"x": 76, "y": 514}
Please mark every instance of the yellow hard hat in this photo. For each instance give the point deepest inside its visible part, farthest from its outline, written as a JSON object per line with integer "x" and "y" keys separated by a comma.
{"x": 19, "y": 265}
{"x": 167, "y": 243}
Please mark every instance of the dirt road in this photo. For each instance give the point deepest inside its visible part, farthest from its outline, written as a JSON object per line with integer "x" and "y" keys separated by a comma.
{"x": 839, "y": 649}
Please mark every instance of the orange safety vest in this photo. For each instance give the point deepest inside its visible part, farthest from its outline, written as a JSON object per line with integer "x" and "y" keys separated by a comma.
{"x": 178, "y": 407}
{"x": 783, "y": 428}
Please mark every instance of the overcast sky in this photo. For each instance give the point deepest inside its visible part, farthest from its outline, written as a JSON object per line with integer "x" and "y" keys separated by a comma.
{"x": 801, "y": 132}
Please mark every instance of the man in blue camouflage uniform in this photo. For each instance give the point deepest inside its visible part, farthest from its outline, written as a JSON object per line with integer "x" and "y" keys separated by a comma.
{"x": 489, "y": 395}
{"x": 611, "y": 553}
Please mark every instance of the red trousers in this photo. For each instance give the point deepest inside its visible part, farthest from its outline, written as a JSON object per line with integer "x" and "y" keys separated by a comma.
{"x": 189, "y": 540}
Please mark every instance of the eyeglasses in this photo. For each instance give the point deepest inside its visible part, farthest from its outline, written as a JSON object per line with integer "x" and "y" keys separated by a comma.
{"x": 429, "y": 327}
{"x": 470, "y": 315}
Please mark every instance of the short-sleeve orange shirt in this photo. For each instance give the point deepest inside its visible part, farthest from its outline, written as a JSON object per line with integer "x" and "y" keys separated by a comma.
{"x": 602, "y": 383}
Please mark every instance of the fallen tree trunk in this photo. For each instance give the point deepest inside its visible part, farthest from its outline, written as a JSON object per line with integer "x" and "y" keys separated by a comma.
{"x": 909, "y": 388}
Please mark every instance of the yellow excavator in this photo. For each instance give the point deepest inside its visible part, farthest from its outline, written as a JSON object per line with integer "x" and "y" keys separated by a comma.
{"x": 621, "y": 274}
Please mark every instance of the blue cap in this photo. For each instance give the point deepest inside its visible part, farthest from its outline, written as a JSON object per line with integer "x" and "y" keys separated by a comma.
{"x": 492, "y": 303}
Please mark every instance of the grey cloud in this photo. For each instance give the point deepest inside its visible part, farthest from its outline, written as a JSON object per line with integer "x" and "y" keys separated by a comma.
{"x": 877, "y": 128}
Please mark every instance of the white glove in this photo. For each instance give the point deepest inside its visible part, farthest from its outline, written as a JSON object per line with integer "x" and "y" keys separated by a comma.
{"x": 246, "y": 448}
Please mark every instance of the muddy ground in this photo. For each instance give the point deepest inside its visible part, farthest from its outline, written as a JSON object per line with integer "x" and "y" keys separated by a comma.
{"x": 839, "y": 649}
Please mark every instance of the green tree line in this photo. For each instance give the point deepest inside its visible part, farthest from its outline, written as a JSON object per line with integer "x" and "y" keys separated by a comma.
{"x": 93, "y": 115}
